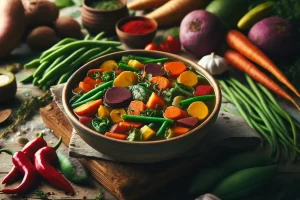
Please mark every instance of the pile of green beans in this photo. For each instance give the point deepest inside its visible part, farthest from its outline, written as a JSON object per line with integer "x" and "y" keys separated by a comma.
{"x": 262, "y": 112}
{"x": 57, "y": 64}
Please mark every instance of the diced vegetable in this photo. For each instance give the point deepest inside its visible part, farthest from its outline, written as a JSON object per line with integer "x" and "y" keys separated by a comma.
{"x": 85, "y": 120}
{"x": 174, "y": 68}
{"x": 147, "y": 132}
{"x": 176, "y": 101}
{"x": 174, "y": 113}
{"x": 125, "y": 79}
{"x": 88, "y": 109}
{"x": 136, "y": 107}
{"x": 116, "y": 115}
{"x": 190, "y": 122}
{"x": 117, "y": 136}
{"x": 101, "y": 124}
{"x": 198, "y": 109}
{"x": 109, "y": 65}
{"x": 103, "y": 111}
{"x": 204, "y": 90}
{"x": 135, "y": 135}
{"x": 85, "y": 87}
{"x": 155, "y": 101}
{"x": 131, "y": 124}
{"x": 188, "y": 78}
{"x": 116, "y": 128}
{"x": 136, "y": 64}
{"x": 161, "y": 82}
{"x": 180, "y": 130}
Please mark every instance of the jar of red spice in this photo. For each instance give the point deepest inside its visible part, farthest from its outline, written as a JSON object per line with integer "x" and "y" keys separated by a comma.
{"x": 136, "y": 31}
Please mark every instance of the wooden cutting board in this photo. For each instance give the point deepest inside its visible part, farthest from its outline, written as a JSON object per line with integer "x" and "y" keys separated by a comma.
{"x": 128, "y": 181}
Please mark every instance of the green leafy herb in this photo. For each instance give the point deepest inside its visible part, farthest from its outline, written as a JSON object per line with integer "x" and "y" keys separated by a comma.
{"x": 140, "y": 93}
{"x": 177, "y": 90}
{"x": 135, "y": 135}
{"x": 152, "y": 113}
{"x": 26, "y": 108}
{"x": 101, "y": 124}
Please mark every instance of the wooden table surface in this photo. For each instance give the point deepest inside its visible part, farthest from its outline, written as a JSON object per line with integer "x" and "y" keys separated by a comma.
{"x": 90, "y": 191}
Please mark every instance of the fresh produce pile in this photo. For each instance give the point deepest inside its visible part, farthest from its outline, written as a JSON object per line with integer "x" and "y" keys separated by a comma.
{"x": 58, "y": 63}
{"x": 138, "y": 99}
{"x": 38, "y": 159}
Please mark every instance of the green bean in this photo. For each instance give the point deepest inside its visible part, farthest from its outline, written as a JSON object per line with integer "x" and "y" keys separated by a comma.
{"x": 60, "y": 68}
{"x": 243, "y": 88}
{"x": 128, "y": 68}
{"x": 226, "y": 109}
{"x": 35, "y": 81}
{"x": 32, "y": 64}
{"x": 54, "y": 64}
{"x": 27, "y": 80}
{"x": 83, "y": 59}
{"x": 156, "y": 60}
{"x": 187, "y": 102}
{"x": 64, "y": 78}
{"x": 87, "y": 37}
{"x": 95, "y": 91}
{"x": 142, "y": 58}
{"x": 41, "y": 69}
{"x": 79, "y": 44}
{"x": 137, "y": 118}
{"x": 92, "y": 98}
{"x": 57, "y": 46}
{"x": 99, "y": 36}
{"x": 161, "y": 131}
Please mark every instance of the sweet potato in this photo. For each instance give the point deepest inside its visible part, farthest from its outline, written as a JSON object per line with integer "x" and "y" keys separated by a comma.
{"x": 67, "y": 27}
{"x": 12, "y": 25}
{"x": 41, "y": 38}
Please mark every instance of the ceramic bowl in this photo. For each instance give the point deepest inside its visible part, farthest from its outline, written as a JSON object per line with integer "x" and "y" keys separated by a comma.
{"x": 135, "y": 40}
{"x": 95, "y": 20}
{"x": 146, "y": 151}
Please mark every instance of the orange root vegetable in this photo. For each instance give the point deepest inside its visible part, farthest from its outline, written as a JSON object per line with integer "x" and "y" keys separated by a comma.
{"x": 89, "y": 108}
{"x": 240, "y": 62}
{"x": 145, "y": 4}
{"x": 174, "y": 113}
{"x": 180, "y": 130}
{"x": 175, "y": 68}
{"x": 162, "y": 82}
{"x": 136, "y": 107}
{"x": 155, "y": 101}
{"x": 174, "y": 11}
{"x": 242, "y": 44}
{"x": 131, "y": 124}
{"x": 118, "y": 136}
{"x": 85, "y": 87}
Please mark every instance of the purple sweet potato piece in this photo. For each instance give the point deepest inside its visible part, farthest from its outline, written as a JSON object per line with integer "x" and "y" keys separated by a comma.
{"x": 154, "y": 69}
{"x": 188, "y": 121}
{"x": 117, "y": 97}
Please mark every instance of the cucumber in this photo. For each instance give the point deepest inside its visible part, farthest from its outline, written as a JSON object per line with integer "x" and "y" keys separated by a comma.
{"x": 72, "y": 169}
{"x": 242, "y": 183}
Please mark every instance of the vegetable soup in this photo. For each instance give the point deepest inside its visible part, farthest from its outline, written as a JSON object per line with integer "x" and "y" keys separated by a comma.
{"x": 141, "y": 99}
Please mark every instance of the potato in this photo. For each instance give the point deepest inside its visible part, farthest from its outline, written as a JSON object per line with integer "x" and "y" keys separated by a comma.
{"x": 12, "y": 25}
{"x": 67, "y": 27}
{"x": 41, "y": 38}
{"x": 40, "y": 12}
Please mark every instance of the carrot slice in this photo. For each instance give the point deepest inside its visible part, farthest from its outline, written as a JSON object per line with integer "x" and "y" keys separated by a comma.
{"x": 85, "y": 87}
{"x": 119, "y": 136}
{"x": 175, "y": 68}
{"x": 89, "y": 108}
{"x": 174, "y": 113}
{"x": 155, "y": 101}
{"x": 162, "y": 82}
{"x": 136, "y": 107}
{"x": 180, "y": 130}
{"x": 131, "y": 124}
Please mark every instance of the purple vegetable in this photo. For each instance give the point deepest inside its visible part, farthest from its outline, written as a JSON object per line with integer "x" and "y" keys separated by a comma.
{"x": 201, "y": 32}
{"x": 154, "y": 69}
{"x": 117, "y": 97}
{"x": 275, "y": 36}
{"x": 188, "y": 121}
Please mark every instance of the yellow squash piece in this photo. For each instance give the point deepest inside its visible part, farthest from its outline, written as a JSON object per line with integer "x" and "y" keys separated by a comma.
{"x": 109, "y": 65}
{"x": 147, "y": 132}
{"x": 188, "y": 78}
{"x": 255, "y": 14}
{"x": 125, "y": 79}
{"x": 176, "y": 101}
{"x": 116, "y": 115}
{"x": 103, "y": 111}
{"x": 135, "y": 64}
{"x": 198, "y": 109}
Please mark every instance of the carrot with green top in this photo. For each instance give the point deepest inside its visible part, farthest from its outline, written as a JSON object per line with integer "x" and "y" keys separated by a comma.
{"x": 240, "y": 62}
{"x": 242, "y": 44}
{"x": 175, "y": 68}
{"x": 118, "y": 136}
{"x": 161, "y": 82}
{"x": 174, "y": 113}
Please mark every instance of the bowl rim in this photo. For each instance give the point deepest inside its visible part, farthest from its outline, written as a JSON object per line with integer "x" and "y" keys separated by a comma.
{"x": 85, "y": 6}
{"x": 129, "y": 18}
{"x": 197, "y": 67}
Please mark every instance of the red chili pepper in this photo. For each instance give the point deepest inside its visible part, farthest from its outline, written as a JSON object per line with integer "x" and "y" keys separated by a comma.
{"x": 23, "y": 164}
{"x": 152, "y": 46}
{"x": 43, "y": 159}
{"x": 29, "y": 150}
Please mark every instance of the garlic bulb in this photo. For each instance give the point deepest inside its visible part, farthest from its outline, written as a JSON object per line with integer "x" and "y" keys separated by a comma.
{"x": 214, "y": 64}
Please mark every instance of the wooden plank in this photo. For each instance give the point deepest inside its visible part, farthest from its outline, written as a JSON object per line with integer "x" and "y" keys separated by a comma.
{"x": 123, "y": 179}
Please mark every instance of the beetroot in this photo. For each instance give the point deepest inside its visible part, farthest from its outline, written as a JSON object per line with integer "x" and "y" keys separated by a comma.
{"x": 201, "y": 32}
{"x": 190, "y": 122}
{"x": 275, "y": 36}
{"x": 204, "y": 90}
{"x": 154, "y": 69}
{"x": 118, "y": 97}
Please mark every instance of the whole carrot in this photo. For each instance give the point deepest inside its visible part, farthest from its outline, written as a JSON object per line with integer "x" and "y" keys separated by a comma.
{"x": 240, "y": 62}
{"x": 242, "y": 44}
